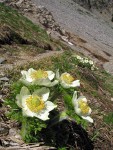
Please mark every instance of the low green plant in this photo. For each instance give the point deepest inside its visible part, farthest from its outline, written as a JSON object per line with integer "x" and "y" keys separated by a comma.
{"x": 34, "y": 102}
{"x": 109, "y": 118}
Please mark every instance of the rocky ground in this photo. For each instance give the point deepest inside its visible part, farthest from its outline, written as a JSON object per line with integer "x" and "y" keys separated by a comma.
{"x": 76, "y": 31}
{"x": 94, "y": 29}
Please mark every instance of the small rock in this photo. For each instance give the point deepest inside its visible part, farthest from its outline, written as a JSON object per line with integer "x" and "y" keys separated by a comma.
{"x": 63, "y": 32}
{"x": 4, "y": 79}
{"x": 1, "y": 100}
{"x": 12, "y": 132}
{"x": 4, "y": 131}
{"x": 18, "y": 136}
{"x": 40, "y": 7}
{"x": 108, "y": 66}
{"x": 13, "y": 144}
{"x": 1, "y": 96}
{"x": 5, "y": 143}
{"x": 6, "y": 84}
{"x": 2, "y": 60}
{"x": 112, "y": 99}
{"x": 19, "y": 2}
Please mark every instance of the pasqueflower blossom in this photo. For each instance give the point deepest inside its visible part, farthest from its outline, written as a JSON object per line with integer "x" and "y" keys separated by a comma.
{"x": 67, "y": 80}
{"x": 81, "y": 107}
{"x": 35, "y": 104}
{"x": 38, "y": 77}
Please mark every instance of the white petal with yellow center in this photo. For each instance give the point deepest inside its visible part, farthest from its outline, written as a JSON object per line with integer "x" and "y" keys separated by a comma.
{"x": 35, "y": 104}
{"x": 68, "y": 81}
{"x": 38, "y": 77}
{"x": 81, "y": 107}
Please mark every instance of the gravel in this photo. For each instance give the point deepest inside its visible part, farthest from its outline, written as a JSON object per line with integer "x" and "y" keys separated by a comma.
{"x": 2, "y": 60}
{"x": 81, "y": 22}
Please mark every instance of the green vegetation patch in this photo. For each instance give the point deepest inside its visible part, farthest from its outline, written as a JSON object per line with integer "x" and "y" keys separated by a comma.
{"x": 92, "y": 87}
{"x": 21, "y": 24}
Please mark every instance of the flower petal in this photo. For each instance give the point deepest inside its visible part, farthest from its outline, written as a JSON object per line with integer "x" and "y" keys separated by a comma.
{"x": 78, "y": 111}
{"x": 43, "y": 116}
{"x": 64, "y": 85}
{"x": 75, "y": 83}
{"x": 25, "y": 82}
{"x": 83, "y": 98}
{"x": 50, "y": 106}
{"x": 24, "y": 101}
{"x": 19, "y": 100}
{"x": 88, "y": 118}
{"x": 42, "y": 81}
{"x": 74, "y": 97}
{"x": 51, "y": 75}
{"x": 27, "y": 112}
{"x": 55, "y": 82}
{"x": 43, "y": 92}
{"x": 24, "y": 73}
{"x": 27, "y": 75}
{"x": 46, "y": 82}
{"x": 24, "y": 91}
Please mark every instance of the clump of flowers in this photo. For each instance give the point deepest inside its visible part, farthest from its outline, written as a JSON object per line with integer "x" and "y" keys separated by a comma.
{"x": 85, "y": 62}
{"x": 34, "y": 101}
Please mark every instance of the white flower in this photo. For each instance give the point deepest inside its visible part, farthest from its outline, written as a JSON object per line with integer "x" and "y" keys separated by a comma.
{"x": 81, "y": 107}
{"x": 66, "y": 80}
{"x": 38, "y": 77}
{"x": 36, "y": 104}
{"x": 91, "y": 62}
{"x": 86, "y": 60}
{"x": 79, "y": 57}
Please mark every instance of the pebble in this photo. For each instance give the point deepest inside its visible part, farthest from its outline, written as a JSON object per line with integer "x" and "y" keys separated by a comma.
{"x": 6, "y": 84}
{"x": 2, "y": 60}
{"x": 4, "y": 131}
{"x": 1, "y": 100}
{"x": 12, "y": 132}
{"x": 13, "y": 144}
{"x": 18, "y": 136}
{"x": 1, "y": 96}
{"x": 108, "y": 66}
{"x": 5, "y": 143}
{"x": 4, "y": 79}
{"x": 112, "y": 99}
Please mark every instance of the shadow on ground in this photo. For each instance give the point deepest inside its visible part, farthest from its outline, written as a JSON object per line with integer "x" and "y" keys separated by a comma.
{"x": 68, "y": 134}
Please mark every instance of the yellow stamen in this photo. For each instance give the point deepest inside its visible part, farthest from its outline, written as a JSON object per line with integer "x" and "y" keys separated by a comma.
{"x": 35, "y": 103}
{"x": 67, "y": 78}
{"x": 39, "y": 74}
{"x": 84, "y": 107}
